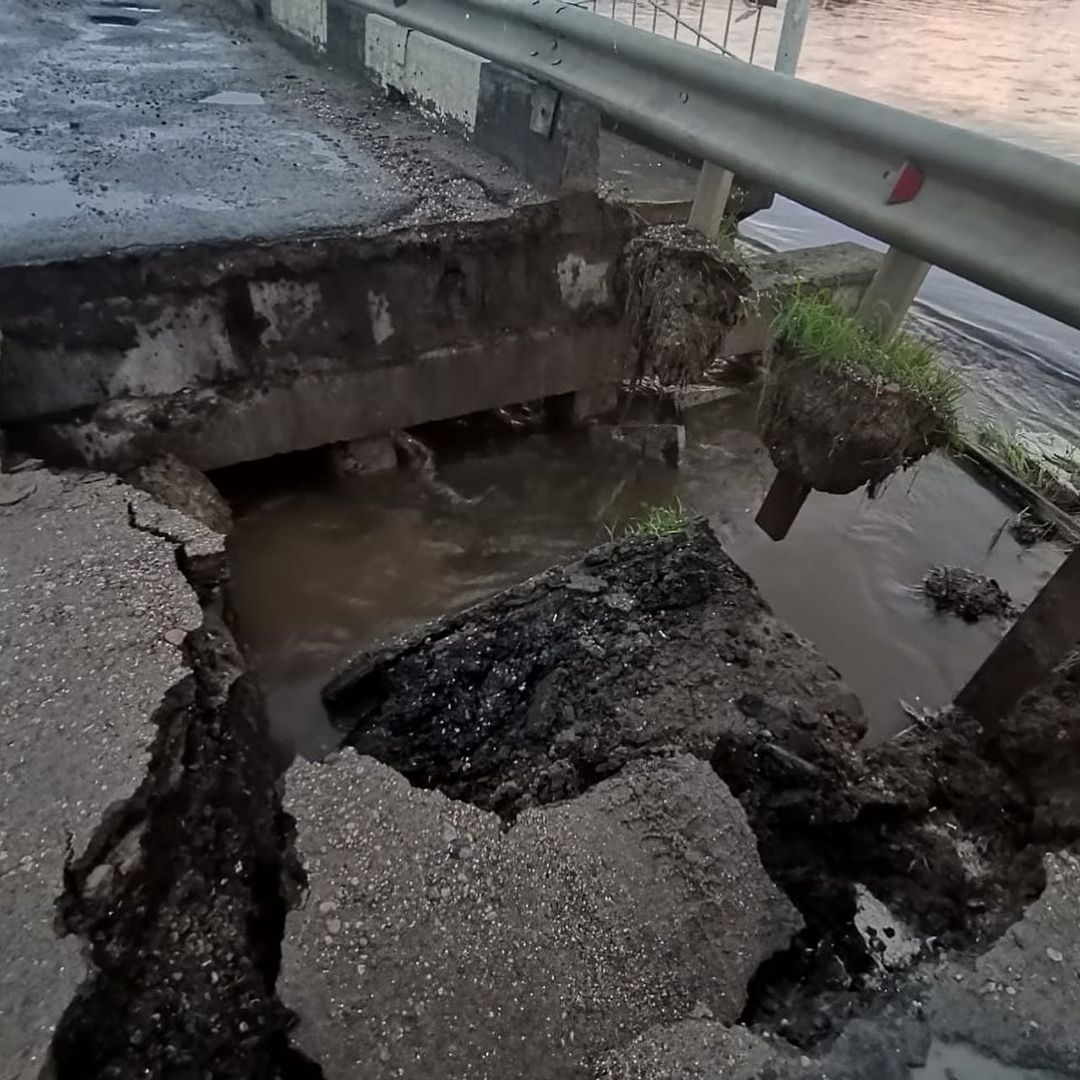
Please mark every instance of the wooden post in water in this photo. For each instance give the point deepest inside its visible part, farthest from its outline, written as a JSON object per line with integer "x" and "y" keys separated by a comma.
{"x": 782, "y": 504}
{"x": 1038, "y": 640}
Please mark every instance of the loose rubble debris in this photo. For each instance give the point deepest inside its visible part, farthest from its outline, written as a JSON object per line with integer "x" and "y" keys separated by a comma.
{"x": 182, "y": 487}
{"x": 683, "y": 294}
{"x": 967, "y": 594}
{"x": 1028, "y": 529}
{"x": 837, "y": 431}
{"x": 361, "y": 457}
{"x": 665, "y": 443}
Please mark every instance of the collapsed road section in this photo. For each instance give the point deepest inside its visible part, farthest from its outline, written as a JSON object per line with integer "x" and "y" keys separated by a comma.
{"x": 665, "y": 850}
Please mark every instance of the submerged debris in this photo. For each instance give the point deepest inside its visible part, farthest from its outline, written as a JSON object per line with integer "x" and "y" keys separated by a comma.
{"x": 683, "y": 293}
{"x": 965, "y": 593}
{"x": 1027, "y": 528}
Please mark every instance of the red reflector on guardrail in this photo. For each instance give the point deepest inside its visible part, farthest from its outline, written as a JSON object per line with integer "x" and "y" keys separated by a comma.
{"x": 907, "y": 182}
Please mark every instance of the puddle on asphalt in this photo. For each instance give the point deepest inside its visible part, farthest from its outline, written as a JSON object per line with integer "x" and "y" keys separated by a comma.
{"x": 233, "y": 97}
{"x": 115, "y": 20}
{"x": 958, "y": 1061}
{"x": 323, "y": 567}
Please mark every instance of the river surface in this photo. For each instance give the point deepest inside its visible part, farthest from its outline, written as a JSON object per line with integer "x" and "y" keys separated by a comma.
{"x": 323, "y": 567}
{"x": 1008, "y": 68}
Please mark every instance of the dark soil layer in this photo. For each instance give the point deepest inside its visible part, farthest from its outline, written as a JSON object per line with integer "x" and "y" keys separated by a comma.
{"x": 533, "y": 696}
{"x": 180, "y": 896}
{"x": 967, "y": 594}
{"x": 683, "y": 293}
{"x": 838, "y": 431}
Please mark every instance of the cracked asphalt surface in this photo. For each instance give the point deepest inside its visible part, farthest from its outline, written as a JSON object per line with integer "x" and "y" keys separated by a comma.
{"x": 194, "y": 124}
{"x": 90, "y": 608}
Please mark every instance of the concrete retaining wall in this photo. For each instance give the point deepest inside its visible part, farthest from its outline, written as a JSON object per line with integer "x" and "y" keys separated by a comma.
{"x": 222, "y": 355}
{"x": 551, "y": 140}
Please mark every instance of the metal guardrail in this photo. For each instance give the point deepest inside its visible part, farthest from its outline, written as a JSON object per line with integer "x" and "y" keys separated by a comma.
{"x": 997, "y": 214}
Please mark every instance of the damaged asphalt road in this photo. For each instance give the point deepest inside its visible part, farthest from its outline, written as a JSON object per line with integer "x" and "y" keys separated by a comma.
{"x": 431, "y": 943}
{"x": 621, "y": 928}
{"x": 191, "y": 125}
{"x": 93, "y": 614}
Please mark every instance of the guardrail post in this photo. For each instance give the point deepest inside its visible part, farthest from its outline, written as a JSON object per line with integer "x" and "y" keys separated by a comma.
{"x": 792, "y": 32}
{"x": 710, "y": 199}
{"x": 891, "y": 292}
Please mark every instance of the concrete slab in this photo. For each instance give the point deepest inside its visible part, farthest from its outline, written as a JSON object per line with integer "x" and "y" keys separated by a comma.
{"x": 92, "y": 611}
{"x": 1023, "y": 998}
{"x": 432, "y": 943}
{"x": 148, "y": 131}
{"x": 699, "y": 1049}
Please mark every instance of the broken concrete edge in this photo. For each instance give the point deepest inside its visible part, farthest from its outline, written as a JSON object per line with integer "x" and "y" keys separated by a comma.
{"x": 549, "y": 138}
{"x": 844, "y": 270}
{"x": 178, "y": 893}
{"x": 222, "y": 354}
{"x": 641, "y": 901}
{"x": 986, "y": 466}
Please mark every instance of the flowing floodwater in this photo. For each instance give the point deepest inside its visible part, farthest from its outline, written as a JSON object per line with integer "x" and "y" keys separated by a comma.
{"x": 323, "y": 567}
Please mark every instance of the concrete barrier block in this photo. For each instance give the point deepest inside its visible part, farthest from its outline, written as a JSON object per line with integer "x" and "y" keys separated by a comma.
{"x": 305, "y": 19}
{"x": 384, "y": 52}
{"x": 443, "y": 79}
{"x": 491, "y": 105}
{"x": 565, "y": 159}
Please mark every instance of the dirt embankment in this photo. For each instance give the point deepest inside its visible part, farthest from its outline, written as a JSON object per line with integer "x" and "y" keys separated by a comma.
{"x": 839, "y": 431}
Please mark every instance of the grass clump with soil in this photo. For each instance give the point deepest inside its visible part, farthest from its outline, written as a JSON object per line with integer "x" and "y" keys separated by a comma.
{"x": 814, "y": 326}
{"x": 664, "y": 519}
{"x": 842, "y": 409}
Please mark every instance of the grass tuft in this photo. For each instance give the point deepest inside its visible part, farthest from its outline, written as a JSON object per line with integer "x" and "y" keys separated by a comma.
{"x": 1056, "y": 476}
{"x": 815, "y": 327}
{"x": 663, "y": 520}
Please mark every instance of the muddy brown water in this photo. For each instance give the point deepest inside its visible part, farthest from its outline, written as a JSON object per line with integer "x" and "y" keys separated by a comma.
{"x": 323, "y": 567}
